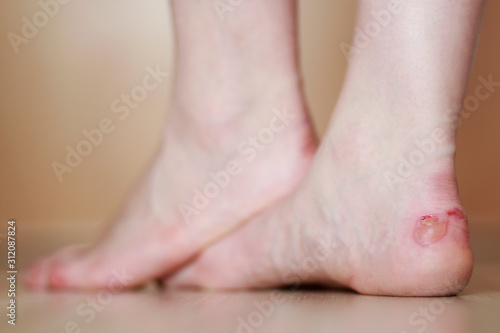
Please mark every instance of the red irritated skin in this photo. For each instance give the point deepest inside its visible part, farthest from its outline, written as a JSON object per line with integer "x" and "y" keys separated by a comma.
{"x": 432, "y": 228}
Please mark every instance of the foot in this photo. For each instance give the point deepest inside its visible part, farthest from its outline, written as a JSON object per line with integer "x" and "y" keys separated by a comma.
{"x": 238, "y": 140}
{"x": 206, "y": 180}
{"x": 378, "y": 212}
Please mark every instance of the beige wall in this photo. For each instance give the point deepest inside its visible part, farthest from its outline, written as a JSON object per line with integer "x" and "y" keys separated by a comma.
{"x": 65, "y": 78}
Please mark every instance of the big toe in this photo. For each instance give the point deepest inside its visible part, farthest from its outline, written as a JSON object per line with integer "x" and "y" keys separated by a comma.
{"x": 53, "y": 271}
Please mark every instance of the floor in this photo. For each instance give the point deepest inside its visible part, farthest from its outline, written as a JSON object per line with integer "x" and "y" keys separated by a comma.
{"x": 477, "y": 309}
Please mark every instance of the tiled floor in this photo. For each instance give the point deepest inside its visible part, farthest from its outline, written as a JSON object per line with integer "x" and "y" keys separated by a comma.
{"x": 155, "y": 310}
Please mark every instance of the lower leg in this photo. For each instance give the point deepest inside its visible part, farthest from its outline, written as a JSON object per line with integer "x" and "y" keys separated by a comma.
{"x": 227, "y": 60}
{"x": 420, "y": 60}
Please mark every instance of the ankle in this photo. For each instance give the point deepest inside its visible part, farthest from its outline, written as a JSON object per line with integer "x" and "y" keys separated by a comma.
{"x": 226, "y": 104}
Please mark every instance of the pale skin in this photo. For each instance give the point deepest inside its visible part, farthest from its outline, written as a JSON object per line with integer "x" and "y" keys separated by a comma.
{"x": 342, "y": 213}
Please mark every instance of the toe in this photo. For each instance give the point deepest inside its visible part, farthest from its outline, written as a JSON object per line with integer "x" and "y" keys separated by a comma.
{"x": 48, "y": 272}
{"x": 34, "y": 276}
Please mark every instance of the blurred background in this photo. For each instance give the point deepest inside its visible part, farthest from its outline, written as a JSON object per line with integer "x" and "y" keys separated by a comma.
{"x": 64, "y": 79}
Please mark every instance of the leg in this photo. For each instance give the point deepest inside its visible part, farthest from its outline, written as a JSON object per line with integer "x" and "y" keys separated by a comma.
{"x": 379, "y": 210}
{"x": 227, "y": 153}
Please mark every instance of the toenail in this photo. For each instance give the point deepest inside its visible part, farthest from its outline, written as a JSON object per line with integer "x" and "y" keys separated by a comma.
{"x": 430, "y": 229}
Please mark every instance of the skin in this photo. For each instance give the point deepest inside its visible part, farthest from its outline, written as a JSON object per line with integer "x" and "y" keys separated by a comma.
{"x": 348, "y": 223}
{"x": 352, "y": 216}
{"x": 228, "y": 86}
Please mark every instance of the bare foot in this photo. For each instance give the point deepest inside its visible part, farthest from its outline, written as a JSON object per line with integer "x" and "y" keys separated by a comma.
{"x": 204, "y": 182}
{"x": 357, "y": 220}
{"x": 238, "y": 140}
